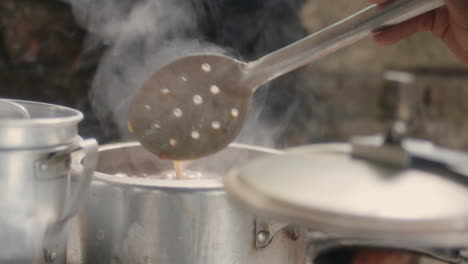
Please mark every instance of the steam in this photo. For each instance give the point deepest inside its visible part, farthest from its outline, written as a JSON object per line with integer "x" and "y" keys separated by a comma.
{"x": 141, "y": 36}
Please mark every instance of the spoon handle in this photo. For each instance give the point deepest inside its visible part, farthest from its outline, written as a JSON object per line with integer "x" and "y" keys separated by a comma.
{"x": 368, "y": 21}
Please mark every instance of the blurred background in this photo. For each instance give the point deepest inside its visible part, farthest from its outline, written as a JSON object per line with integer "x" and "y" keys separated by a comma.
{"x": 50, "y": 52}
{"x": 89, "y": 55}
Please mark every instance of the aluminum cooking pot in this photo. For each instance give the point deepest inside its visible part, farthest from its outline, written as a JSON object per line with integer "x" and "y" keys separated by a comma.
{"x": 412, "y": 195}
{"x": 140, "y": 220}
{"x": 36, "y": 199}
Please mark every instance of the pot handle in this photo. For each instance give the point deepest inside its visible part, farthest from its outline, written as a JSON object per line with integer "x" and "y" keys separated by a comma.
{"x": 52, "y": 243}
{"x": 90, "y": 149}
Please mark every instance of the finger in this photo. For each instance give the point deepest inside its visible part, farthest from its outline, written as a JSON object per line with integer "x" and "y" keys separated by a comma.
{"x": 400, "y": 31}
{"x": 449, "y": 38}
{"x": 436, "y": 21}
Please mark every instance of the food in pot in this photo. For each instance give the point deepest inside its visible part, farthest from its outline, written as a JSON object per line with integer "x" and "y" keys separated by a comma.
{"x": 172, "y": 175}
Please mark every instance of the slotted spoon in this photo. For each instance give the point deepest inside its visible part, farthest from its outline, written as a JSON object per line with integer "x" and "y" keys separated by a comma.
{"x": 196, "y": 105}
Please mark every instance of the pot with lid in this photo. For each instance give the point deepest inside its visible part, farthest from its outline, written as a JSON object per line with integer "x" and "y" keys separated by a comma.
{"x": 134, "y": 214}
{"x": 371, "y": 193}
{"x": 36, "y": 201}
{"x": 137, "y": 213}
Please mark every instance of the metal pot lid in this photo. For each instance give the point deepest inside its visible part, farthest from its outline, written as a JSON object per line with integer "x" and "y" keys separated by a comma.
{"x": 47, "y": 125}
{"x": 328, "y": 189}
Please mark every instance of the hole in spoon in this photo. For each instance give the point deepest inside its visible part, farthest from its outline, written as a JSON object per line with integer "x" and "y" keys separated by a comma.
{"x": 206, "y": 67}
{"x": 214, "y": 89}
{"x": 173, "y": 142}
{"x": 165, "y": 91}
{"x": 216, "y": 125}
{"x": 147, "y": 107}
{"x": 195, "y": 135}
{"x": 178, "y": 112}
{"x": 184, "y": 77}
{"x": 234, "y": 112}
{"x": 197, "y": 99}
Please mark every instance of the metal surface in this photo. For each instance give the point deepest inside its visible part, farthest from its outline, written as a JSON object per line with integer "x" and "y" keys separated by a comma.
{"x": 325, "y": 188}
{"x": 197, "y": 104}
{"x": 411, "y": 152}
{"x": 266, "y": 230}
{"x": 35, "y": 199}
{"x": 55, "y": 238}
{"x": 138, "y": 220}
{"x": 48, "y": 125}
{"x": 11, "y": 110}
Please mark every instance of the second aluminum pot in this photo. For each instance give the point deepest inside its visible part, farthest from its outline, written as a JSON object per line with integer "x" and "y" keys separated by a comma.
{"x": 138, "y": 220}
{"x": 36, "y": 197}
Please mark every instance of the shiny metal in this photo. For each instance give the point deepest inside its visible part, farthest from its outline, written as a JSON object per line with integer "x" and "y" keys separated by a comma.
{"x": 266, "y": 231}
{"x": 141, "y": 220}
{"x": 36, "y": 197}
{"x": 35, "y": 209}
{"x": 55, "y": 238}
{"x": 28, "y": 205}
{"x": 262, "y": 236}
{"x": 327, "y": 189}
{"x": 173, "y": 87}
{"x": 48, "y": 125}
{"x": 409, "y": 152}
{"x": 9, "y": 109}
{"x": 51, "y": 256}
{"x": 365, "y": 23}
{"x": 392, "y": 155}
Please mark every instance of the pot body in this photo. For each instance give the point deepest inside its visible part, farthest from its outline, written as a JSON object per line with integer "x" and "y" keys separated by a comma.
{"x": 36, "y": 198}
{"x": 31, "y": 200}
{"x": 193, "y": 222}
{"x": 333, "y": 227}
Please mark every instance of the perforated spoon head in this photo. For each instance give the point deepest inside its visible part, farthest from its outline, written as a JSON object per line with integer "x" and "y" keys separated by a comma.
{"x": 191, "y": 107}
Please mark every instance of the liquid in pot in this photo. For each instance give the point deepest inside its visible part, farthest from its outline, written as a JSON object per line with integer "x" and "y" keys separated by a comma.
{"x": 179, "y": 173}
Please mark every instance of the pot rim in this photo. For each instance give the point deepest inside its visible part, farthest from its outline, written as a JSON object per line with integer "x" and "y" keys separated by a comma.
{"x": 203, "y": 184}
{"x": 49, "y": 125}
{"x": 73, "y": 116}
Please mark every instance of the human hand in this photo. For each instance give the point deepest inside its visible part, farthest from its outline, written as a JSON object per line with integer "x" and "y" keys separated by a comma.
{"x": 449, "y": 23}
